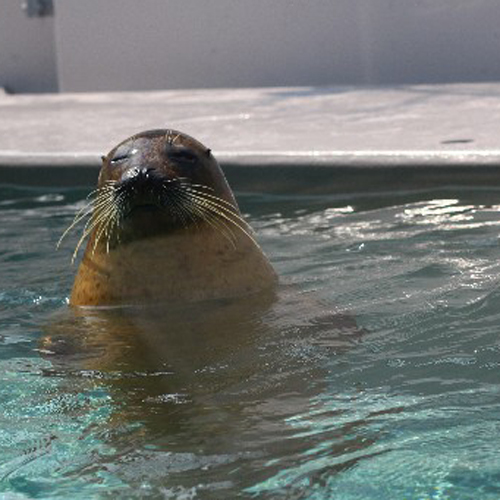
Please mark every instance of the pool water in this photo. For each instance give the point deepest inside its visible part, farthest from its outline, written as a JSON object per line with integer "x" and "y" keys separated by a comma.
{"x": 374, "y": 375}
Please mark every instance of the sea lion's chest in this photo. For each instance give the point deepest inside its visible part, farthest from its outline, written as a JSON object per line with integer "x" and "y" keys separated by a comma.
{"x": 189, "y": 266}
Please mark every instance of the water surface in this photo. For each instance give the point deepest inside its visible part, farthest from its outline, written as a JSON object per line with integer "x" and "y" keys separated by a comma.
{"x": 375, "y": 375}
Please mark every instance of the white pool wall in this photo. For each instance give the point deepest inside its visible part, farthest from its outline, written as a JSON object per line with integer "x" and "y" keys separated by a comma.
{"x": 106, "y": 45}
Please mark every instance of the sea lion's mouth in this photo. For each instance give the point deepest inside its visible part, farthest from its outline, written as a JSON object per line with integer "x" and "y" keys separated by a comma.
{"x": 142, "y": 209}
{"x": 142, "y": 193}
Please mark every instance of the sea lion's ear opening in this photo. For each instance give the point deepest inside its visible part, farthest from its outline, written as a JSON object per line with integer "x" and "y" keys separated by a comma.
{"x": 103, "y": 158}
{"x": 208, "y": 151}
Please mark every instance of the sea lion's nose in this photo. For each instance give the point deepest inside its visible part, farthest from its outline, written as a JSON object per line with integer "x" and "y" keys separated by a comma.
{"x": 137, "y": 173}
{"x": 145, "y": 172}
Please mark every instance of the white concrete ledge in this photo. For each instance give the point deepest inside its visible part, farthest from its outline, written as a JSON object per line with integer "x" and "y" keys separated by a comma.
{"x": 380, "y": 127}
{"x": 327, "y": 159}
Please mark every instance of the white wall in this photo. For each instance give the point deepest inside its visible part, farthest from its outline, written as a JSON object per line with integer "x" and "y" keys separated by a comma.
{"x": 153, "y": 44}
{"x": 27, "y": 55}
{"x": 130, "y": 44}
{"x": 434, "y": 41}
{"x": 161, "y": 44}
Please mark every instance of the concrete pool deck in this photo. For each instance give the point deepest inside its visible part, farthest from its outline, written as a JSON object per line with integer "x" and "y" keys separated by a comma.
{"x": 455, "y": 125}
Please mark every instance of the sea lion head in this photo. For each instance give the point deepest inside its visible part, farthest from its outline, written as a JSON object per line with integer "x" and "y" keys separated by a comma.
{"x": 159, "y": 181}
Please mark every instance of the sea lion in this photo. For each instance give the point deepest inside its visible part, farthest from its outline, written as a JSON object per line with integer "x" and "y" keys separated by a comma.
{"x": 165, "y": 226}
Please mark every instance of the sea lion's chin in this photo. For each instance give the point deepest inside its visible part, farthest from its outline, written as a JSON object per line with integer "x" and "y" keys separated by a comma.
{"x": 147, "y": 221}
{"x": 143, "y": 214}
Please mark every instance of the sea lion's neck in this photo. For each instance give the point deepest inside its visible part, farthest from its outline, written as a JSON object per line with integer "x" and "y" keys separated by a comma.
{"x": 186, "y": 265}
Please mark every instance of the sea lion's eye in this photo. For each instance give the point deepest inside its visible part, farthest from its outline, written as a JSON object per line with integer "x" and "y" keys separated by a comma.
{"x": 183, "y": 155}
{"x": 118, "y": 158}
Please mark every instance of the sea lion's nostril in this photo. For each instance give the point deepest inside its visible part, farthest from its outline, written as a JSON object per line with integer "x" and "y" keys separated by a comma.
{"x": 144, "y": 172}
{"x": 142, "y": 178}
{"x": 130, "y": 173}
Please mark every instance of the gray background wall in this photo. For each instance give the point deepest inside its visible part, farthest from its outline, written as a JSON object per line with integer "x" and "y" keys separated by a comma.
{"x": 27, "y": 53}
{"x": 161, "y": 44}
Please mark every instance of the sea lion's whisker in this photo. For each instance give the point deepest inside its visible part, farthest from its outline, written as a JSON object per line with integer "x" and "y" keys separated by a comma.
{"x": 209, "y": 197}
{"x": 224, "y": 214}
{"x": 114, "y": 223}
{"x": 184, "y": 207}
{"x": 176, "y": 204}
{"x": 215, "y": 222}
{"x": 82, "y": 214}
{"x": 170, "y": 138}
{"x": 103, "y": 213}
{"x": 104, "y": 229}
{"x": 183, "y": 202}
{"x": 78, "y": 245}
{"x": 194, "y": 208}
{"x": 215, "y": 202}
{"x": 198, "y": 189}
{"x": 223, "y": 227}
{"x": 220, "y": 203}
{"x": 89, "y": 227}
{"x": 86, "y": 231}
{"x": 109, "y": 217}
{"x": 87, "y": 210}
{"x": 218, "y": 206}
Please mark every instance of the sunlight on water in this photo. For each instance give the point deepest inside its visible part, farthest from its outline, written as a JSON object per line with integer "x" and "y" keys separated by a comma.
{"x": 375, "y": 374}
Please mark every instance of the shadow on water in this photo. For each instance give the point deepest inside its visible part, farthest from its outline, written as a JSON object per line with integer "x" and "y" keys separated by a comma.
{"x": 205, "y": 391}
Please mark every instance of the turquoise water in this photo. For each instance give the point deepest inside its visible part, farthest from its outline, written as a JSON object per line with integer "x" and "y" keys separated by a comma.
{"x": 375, "y": 374}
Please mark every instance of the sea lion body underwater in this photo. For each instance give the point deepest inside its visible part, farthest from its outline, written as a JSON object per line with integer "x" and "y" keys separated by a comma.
{"x": 165, "y": 226}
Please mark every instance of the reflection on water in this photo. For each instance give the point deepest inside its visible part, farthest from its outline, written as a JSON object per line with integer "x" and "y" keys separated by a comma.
{"x": 371, "y": 374}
